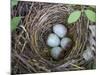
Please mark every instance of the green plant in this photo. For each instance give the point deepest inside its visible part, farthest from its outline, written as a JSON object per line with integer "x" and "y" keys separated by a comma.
{"x": 14, "y": 2}
{"x": 90, "y": 15}
{"x": 14, "y": 22}
{"x": 75, "y": 15}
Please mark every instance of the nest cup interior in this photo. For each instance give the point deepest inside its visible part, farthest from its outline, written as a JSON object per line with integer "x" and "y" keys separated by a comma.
{"x": 42, "y": 25}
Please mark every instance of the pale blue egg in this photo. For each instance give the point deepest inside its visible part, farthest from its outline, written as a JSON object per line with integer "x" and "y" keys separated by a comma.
{"x": 60, "y": 30}
{"x": 53, "y": 40}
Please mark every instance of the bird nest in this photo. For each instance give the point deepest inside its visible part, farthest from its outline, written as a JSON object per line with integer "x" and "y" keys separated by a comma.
{"x": 32, "y": 49}
{"x": 41, "y": 27}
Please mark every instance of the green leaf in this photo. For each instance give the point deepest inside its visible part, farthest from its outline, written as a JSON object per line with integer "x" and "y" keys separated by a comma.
{"x": 14, "y": 2}
{"x": 14, "y": 22}
{"x": 90, "y": 15}
{"x": 74, "y": 16}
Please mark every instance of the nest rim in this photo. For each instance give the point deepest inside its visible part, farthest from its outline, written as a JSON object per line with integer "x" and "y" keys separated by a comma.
{"x": 44, "y": 15}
